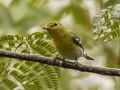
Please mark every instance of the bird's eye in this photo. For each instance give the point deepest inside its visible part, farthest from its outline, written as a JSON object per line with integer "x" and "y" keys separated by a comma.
{"x": 55, "y": 24}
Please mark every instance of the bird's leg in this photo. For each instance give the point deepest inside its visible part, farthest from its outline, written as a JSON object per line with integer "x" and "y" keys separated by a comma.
{"x": 76, "y": 61}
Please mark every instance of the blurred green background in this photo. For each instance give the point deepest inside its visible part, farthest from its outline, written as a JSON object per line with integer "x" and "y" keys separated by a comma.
{"x": 23, "y": 17}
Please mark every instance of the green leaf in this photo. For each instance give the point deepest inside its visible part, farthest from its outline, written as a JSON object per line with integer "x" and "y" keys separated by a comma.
{"x": 107, "y": 23}
{"x": 30, "y": 75}
{"x": 10, "y": 84}
{"x": 18, "y": 76}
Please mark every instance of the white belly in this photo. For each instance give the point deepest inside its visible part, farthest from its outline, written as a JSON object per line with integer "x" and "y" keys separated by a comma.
{"x": 78, "y": 52}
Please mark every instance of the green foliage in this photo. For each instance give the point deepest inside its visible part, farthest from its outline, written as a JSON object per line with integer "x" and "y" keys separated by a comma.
{"x": 20, "y": 16}
{"x": 107, "y": 23}
{"x": 28, "y": 75}
{"x": 10, "y": 84}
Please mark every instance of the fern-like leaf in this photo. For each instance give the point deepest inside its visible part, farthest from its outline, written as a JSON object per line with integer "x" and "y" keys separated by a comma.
{"x": 10, "y": 84}
{"x": 107, "y": 23}
{"x": 29, "y": 75}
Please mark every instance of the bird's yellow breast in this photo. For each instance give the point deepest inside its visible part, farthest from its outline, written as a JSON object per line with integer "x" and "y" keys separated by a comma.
{"x": 64, "y": 47}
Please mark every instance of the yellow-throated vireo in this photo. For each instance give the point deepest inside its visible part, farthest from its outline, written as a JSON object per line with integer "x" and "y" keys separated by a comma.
{"x": 66, "y": 42}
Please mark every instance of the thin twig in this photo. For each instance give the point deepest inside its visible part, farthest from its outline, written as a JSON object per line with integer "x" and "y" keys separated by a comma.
{"x": 30, "y": 51}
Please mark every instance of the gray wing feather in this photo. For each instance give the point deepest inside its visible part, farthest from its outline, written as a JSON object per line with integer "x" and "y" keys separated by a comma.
{"x": 77, "y": 41}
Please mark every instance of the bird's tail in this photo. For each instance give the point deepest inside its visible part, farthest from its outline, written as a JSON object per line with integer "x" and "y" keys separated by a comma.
{"x": 87, "y": 57}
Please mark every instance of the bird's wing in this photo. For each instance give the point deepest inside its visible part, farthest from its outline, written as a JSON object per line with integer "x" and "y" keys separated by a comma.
{"x": 76, "y": 40}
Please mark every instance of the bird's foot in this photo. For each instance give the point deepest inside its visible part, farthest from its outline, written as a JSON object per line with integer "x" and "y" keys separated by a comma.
{"x": 54, "y": 60}
{"x": 63, "y": 59}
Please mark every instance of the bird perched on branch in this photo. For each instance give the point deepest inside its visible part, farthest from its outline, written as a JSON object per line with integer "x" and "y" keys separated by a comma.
{"x": 66, "y": 42}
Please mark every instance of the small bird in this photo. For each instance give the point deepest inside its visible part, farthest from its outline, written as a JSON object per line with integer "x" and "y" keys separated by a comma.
{"x": 66, "y": 42}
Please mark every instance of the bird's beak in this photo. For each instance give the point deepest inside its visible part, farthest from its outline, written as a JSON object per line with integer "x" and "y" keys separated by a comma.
{"x": 47, "y": 27}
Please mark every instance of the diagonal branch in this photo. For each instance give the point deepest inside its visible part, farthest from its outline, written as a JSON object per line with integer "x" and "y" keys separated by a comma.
{"x": 59, "y": 63}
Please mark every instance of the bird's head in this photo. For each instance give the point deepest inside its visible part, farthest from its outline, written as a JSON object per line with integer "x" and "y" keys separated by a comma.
{"x": 55, "y": 29}
{"x": 53, "y": 26}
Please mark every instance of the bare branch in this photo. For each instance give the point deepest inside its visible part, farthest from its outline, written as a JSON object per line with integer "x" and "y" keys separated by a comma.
{"x": 59, "y": 63}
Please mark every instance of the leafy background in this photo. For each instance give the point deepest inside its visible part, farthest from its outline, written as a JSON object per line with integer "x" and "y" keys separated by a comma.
{"x": 18, "y": 18}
